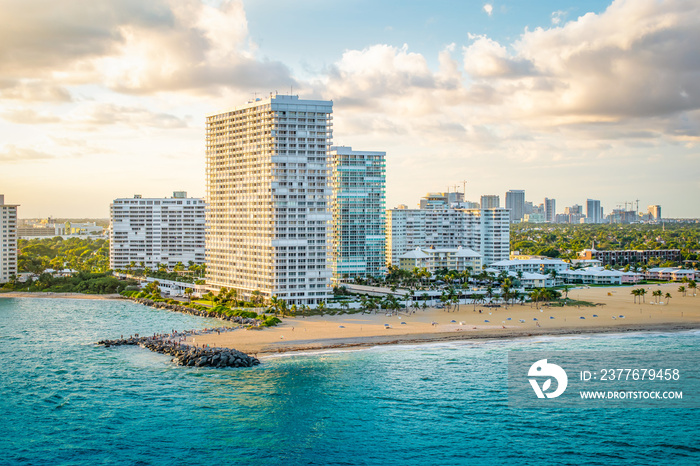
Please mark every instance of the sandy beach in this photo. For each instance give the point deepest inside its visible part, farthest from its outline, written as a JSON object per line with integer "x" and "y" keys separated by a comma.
{"x": 26, "y": 294}
{"x": 615, "y": 312}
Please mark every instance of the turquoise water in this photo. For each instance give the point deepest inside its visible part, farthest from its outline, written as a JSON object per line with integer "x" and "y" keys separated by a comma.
{"x": 64, "y": 400}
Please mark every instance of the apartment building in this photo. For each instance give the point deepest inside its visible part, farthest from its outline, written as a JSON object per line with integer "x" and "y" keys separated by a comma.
{"x": 515, "y": 203}
{"x": 269, "y": 198}
{"x": 153, "y": 231}
{"x": 432, "y": 259}
{"x": 8, "y": 240}
{"x": 358, "y": 207}
{"x": 486, "y": 231}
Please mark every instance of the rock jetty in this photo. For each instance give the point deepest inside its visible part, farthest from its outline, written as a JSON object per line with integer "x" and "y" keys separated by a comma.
{"x": 196, "y": 312}
{"x": 186, "y": 355}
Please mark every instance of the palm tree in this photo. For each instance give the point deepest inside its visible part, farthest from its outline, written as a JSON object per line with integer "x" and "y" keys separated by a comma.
{"x": 566, "y": 291}
{"x": 657, "y": 294}
{"x": 642, "y": 292}
{"x": 188, "y": 293}
{"x": 282, "y": 304}
{"x": 681, "y": 289}
{"x": 489, "y": 292}
{"x": 635, "y": 293}
{"x": 692, "y": 286}
{"x": 668, "y": 298}
{"x": 274, "y": 304}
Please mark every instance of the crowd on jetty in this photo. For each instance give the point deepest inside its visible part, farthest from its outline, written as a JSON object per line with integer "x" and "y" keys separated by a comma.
{"x": 185, "y": 354}
{"x": 188, "y": 355}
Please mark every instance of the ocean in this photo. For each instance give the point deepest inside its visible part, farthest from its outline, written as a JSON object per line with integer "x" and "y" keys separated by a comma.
{"x": 66, "y": 401}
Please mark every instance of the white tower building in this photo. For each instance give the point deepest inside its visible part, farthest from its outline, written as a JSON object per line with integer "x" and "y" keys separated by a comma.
{"x": 268, "y": 194}
{"x": 156, "y": 231}
{"x": 8, "y": 240}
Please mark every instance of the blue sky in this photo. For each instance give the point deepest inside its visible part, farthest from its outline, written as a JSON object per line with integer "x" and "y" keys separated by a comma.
{"x": 310, "y": 35}
{"x": 567, "y": 100}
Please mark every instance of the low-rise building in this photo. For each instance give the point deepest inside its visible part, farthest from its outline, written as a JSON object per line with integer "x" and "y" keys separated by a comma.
{"x": 542, "y": 266}
{"x": 631, "y": 256}
{"x": 600, "y": 276}
{"x": 672, "y": 274}
{"x": 459, "y": 259}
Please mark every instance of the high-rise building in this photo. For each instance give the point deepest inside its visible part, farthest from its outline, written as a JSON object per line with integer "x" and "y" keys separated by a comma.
{"x": 654, "y": 212}
{"x": 593, "y": 211}
{"x": 573, "y": 210}
{"x": 154, "y": 231}
{"x": 550, "y": 210}
{"x": 440, "y": 200}
{"x": 515, "y": 202}
{"x": 490, "y": 201}
{"x": 486, "y": 231}
{"x": 268, "y": 199}
{"x": 358, "y": 229}
{"x": 8, "y": 240}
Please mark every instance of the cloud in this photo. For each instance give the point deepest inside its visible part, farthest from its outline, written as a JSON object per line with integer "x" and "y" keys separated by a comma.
{"x": 28, "y": 116}
{"x": 558, "y": 16}
{"x": 33, "y": 91}
{"x": 13, "y": 154}
{"x": 133, "y": 47}
{"x": 111, "y": 114}
{"x": 486, "y": 58}
{"x": 488, "y": 8}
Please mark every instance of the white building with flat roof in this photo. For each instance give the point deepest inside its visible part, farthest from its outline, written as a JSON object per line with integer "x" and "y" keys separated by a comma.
{"x": 8, "y": 240}
{"x": 459, "y": 259}
{"x": 268, "y": 195}
{"x": 486, "y": 231}
{"x": 358, "y": 228}
{"x": 531, "y": 265}
{"x": 157, "y": 230}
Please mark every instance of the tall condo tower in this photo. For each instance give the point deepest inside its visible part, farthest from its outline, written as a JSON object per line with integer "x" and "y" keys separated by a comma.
{"x": 8, "y": 240}
{"x": 593, "y": 211}
{"x": 358, "y": 240}
{"x": 550, "y": 210}
{"x": 268, "y": 198}
{"x": 515, "y": 202}
{"x": 490, "y": 201}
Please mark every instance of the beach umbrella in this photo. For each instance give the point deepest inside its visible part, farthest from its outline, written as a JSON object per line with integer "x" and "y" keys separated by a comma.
{"x": 551, "y": 317}
{"x": 613, "y": 317}
{"x": 403, "y": 323}
{"x": 535, "y": 318}
{"x": 341, "y": 326}
{"x": 509, "y": 318}
{"x": 386, "y": 325}
{"x": 581, "y": 317}
{"x": 453, "y": 321}
{"x": 595, "y": 315}
{"x": 486, "y": 321}
{"x": 622, "y": 317}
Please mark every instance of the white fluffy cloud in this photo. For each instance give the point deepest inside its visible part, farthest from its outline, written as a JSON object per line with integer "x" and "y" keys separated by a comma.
{"x": 130, "y": 46}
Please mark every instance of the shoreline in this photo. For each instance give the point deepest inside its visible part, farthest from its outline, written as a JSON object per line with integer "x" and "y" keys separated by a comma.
{"x": 615, "y": 311}
{"x": 54, "y": 295}
{"x": 321, "y": 345}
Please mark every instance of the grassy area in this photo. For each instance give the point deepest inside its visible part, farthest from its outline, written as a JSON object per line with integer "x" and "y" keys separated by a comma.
{"x": 571, "y": 302}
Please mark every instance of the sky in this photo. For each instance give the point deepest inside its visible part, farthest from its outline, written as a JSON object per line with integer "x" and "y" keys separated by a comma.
{"x": 564, "y": 99}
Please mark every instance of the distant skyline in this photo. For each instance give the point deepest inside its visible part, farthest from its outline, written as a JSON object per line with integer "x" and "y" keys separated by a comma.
{"x": 566, "y": 100}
